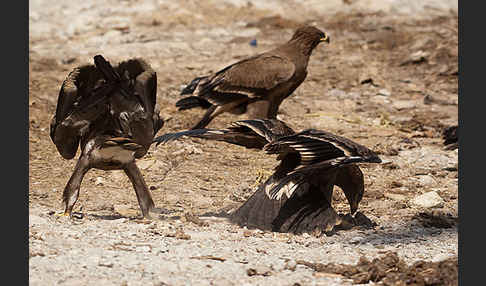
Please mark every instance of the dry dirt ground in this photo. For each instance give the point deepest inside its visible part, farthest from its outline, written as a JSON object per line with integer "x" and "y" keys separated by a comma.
{"x": 388, "y": 79}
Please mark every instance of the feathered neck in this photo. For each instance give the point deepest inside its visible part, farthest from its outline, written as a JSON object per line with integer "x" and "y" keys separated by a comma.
{"x": 305, "y": 43}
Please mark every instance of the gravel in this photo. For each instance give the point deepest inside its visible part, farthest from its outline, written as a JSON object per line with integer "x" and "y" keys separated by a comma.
{"x": 121, "y": 251}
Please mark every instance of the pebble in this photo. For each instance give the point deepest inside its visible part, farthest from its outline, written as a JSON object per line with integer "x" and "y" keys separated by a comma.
{"x": 125, "y": 210}
{"x": 99, "y": 181}
{"x": 356, "y": 240}
{"x": 259, "y": 270}
{"x": 384, "y": 92}
{"x": 404, "y": 104}
{"x": 426, "y": 180}
{"x": 337, "y": 93}
{"x": 395, "y": 197}
{"x": 291, "y": 265}
{"x": 428, "y": 200}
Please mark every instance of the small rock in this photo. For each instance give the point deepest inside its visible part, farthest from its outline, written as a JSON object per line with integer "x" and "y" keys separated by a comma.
{"x": 396, "y": 184}
{"x": 106, "y": 264}
{"x": 428, "y": 200}
{"x": 259, "y": 270}
{"x": 99, "y": 181}
{"x": 143, "y": 248}
{"x": 337, "y": 93}
{"x": 180, "y": 234}
{"x": 380, "y": 204}
{"x": 380, "y": 99}
{"x": 112, "y": 34}
{"x": 290, "y": 265}
{"x": 178, "y": 152}
{"x": 404, "y": 104}
{"x": 384, "y": 92}
{"x": 125, "y": 210}
{"x": 195, "y": 150}
{"x": 395, "y": 197}
{"x": 426, "y": 180}
{"x": 247, "y": 233}
{"x": 355, "y": 240}
{"x": 416, "y": 58}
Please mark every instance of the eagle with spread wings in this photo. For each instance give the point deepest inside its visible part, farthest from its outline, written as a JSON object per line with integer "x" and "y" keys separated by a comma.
{"x": 297, "y": 196}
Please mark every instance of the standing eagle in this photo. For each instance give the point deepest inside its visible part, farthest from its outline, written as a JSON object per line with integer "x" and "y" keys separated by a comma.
{"x": 256, "y": 84}
{"x": 110, "y": 113}
{"x": 297, "y": 196}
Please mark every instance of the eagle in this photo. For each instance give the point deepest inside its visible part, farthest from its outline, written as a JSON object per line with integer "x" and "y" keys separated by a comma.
{"x": 111, "y": 114}
{"x": 297, "y": 196}
{"x": 450, "y": 136}
{"x": 256, "y": 85}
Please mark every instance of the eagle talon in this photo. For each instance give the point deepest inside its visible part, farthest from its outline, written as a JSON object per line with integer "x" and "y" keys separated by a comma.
{"x": 63, "y": 214}
{"x": 262, "y": 174}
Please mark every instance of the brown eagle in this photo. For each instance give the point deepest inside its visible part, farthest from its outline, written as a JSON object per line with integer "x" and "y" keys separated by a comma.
{"x": 450, "y": 135}
{"x": 110, "y": 113}
{"x": 297, "y": 196}
{"x": 257, "y": 84}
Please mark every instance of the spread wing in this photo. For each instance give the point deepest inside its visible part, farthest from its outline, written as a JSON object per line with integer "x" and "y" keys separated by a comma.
{"x": 317, "y": 151}
{"x": 248, "y": 133}
{"x": 252, "y": 77}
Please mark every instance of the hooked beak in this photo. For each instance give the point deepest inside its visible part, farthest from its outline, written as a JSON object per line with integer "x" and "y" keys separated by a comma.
{"x": 325, "y": 39}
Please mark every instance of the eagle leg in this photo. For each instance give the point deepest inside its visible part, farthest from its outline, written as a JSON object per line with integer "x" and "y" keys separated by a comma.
{"x": 262, "y": 176}
{"x": 144, "y": 197}
{"x": 71, "y": 191}
{"x": 208, "y": 117}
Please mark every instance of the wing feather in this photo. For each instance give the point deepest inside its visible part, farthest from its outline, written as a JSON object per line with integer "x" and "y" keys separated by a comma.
{"x": 318, "y": 151}
{"x": 251, "y": 77}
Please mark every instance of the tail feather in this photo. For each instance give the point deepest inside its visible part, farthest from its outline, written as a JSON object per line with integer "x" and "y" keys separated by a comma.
{"x": 192, "y": 102}
{"x": 198, "y": 133}
{"x": 106, "y": 69}
{"x": 301, "y": 213}
{"x": 189, "y": 89}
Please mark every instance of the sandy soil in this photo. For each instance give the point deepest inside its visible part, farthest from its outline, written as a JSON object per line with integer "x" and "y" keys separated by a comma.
{"x": 387, "y": 80}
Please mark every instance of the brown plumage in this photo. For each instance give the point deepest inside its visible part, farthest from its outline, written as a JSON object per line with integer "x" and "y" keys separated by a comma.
{"x": 450, "y": 135}
{"x": 297, "y": 196}
{"x": 256, "y": 84}
{"x": 111, "y": 114}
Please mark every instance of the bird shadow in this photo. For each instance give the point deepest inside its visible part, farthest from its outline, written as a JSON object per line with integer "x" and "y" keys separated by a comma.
{"x": 108, "y": 217}
{"x": 412, "y": 230}
{"x": 157, "y": 214}
{"x": 420, "y": 227}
